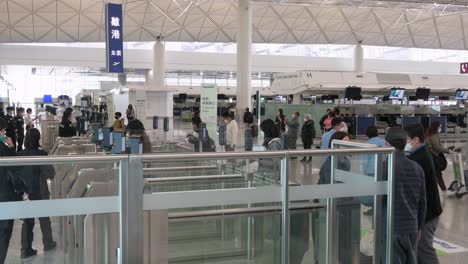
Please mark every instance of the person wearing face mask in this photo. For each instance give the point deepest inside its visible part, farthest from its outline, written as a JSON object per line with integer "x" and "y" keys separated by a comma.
{"x": 293, "y": 130}
{"x": 231, "y": 132}
{"x": 12, "y": 129}
{"x": 336, "y": 126}
{"x": 11, "y": 188}
{"x": 19, "y": 123}
{"x": 438, "y": 151}
{"x": 421, "y": 154}
{"x": 119, "y": 123}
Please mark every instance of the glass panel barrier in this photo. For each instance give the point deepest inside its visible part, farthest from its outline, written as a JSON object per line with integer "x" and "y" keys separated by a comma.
{"x": 244, "y": 207}
{"x": 72, "y": 196}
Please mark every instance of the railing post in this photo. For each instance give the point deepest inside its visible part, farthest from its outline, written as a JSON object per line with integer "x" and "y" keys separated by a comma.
{"x": 391, "y": 171}
{"x": 131, "y": 210}
{"x": 285, "y": 164}
{"x": 378, "y": 211}
{"x": 332, "y": 244}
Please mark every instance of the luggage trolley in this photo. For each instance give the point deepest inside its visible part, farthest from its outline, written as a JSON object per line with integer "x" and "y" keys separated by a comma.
{"x": 458, "y": 186}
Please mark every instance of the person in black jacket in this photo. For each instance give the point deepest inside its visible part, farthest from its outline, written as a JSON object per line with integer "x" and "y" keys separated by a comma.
{"x": 11, "y": 188}
{"x": 195, "y": 138}
{"x": 421, "y": 154}
{"x": 409, "y": 201}
{"x": 11, "y": 129}
{"x": 65, "y": 128}
{"x": 36, "y": 178}
{"x": 248, "y": 117}
{"x": 308, "y": 134}
{"x": 19, "y": 124}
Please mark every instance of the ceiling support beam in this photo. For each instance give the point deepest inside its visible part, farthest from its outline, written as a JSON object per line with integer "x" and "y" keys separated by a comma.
{"x": 159, "y": 9}
{"x": 436, "y": 29}
{"x": 318, "y": 25}
{"x": 377, "y": 20}
{"x": 220, "y": 28}
{"x": 408, "y": 26}
{"x": 350, "y": 27}
{"x": 280, "y": 17}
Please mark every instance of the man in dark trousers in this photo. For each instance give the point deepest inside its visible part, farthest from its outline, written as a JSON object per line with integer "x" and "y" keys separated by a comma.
{"x": 421, "y": 154}
{"x": 19, "y": 124}
{"x": 409, "y": 201}
{"x": 11, "y": 189}
{"x": 11, "y": 129}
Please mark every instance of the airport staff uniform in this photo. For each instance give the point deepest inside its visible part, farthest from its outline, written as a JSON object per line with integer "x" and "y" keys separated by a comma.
{"x": 12, "y": 129}
{"x": 11, "y": 188}
{"x": 36, "y": 178}
{"x": 19, "y": 124}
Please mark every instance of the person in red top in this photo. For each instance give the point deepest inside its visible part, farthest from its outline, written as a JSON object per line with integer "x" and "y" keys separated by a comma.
{"x": 328, "y": 121}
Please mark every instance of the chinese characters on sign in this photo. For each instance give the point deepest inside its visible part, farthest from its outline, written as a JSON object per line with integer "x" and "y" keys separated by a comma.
{"x": 114, "y": 40}
{"x": 209, "y": 107}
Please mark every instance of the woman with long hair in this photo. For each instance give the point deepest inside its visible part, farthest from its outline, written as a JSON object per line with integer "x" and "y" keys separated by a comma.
{"x": 438, "y": 151}
{"x": 130, "y": 113}
{"x": 280, "y": 121}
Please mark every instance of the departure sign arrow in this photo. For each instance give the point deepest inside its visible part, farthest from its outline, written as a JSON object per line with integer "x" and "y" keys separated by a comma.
{"x": 464, "y": 68}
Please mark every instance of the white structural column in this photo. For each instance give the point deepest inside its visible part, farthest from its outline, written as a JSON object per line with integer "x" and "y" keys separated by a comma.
{"x": 244, "y": 56}
{"x": 358, "y": 58}
{"x": 159, "y": 69}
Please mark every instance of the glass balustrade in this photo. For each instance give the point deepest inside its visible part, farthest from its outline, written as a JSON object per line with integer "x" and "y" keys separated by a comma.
{"x": 249, "y": 207}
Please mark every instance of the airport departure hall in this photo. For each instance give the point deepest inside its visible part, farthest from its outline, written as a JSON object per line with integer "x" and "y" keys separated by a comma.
{"x": 233, "y": 131}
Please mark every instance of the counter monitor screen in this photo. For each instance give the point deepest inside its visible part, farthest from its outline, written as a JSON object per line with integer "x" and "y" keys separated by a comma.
{"x": 397, "y": 94}
{"x": 47, "y": 99}
{"x": 353, "y": 93}
{"x": 461, "y": 95}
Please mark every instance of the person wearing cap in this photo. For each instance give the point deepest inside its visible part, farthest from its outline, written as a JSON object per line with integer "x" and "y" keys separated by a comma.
{"x": 422, "y": 155}
{"x": 19, "y": 124}
{"x": 409, "y": 201}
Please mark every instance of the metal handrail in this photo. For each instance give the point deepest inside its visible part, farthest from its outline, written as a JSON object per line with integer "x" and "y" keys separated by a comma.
{"x": 193, "y": 178}
{"x": 180, "y": 168}
{"x": 23, "y": 161}
{"x": 28, "y": 161}
{"x": 263, "y": 154}
{"x": 352, "y": 144}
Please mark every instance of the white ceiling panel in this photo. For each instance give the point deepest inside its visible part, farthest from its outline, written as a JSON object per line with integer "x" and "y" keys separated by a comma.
{"x": 397, "y": 23}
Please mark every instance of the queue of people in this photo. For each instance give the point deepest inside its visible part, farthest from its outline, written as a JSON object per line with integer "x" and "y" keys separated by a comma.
{"x": 417, "y": 203}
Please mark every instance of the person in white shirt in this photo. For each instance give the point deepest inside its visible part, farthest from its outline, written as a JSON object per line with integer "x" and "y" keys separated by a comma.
{"x": 28, "y": 120}
{"x": 231, "y": 132}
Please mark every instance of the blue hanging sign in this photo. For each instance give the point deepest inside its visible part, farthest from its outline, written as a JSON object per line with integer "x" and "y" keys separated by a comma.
{"x": 114, "y": 38}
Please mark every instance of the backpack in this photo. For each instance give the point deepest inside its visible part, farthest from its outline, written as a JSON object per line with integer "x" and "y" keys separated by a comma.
{"x": 250, "y": 118}
{"x": 209, "y": 145}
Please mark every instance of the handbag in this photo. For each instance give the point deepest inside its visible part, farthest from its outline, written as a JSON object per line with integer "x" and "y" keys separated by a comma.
{"x": 442, "y": 162}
